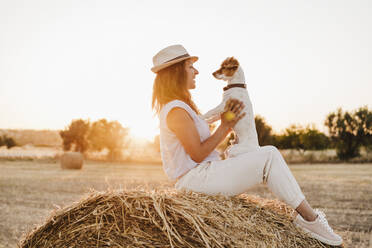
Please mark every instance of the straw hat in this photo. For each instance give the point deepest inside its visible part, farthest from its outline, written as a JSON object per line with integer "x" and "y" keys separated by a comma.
{"x": 169, "y": 56}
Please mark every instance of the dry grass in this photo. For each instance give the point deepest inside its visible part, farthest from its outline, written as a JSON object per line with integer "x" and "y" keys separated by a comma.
{"x": 31, "y": 190}
{"x": 168, "y": 218}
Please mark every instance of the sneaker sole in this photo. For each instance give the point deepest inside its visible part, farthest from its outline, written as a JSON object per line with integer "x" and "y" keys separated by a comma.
{"x": 318, "y": 237}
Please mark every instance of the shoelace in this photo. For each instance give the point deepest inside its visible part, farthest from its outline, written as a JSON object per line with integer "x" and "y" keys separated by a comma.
{"x": 323, "y": 220}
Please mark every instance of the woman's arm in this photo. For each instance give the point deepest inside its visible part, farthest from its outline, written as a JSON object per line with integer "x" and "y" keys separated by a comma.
{"x": 181, "y": 123}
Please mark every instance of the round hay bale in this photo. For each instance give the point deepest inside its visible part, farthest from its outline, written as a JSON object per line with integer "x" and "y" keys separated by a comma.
{"x": 72, "y": 160}
{"x": 169, "y": 219}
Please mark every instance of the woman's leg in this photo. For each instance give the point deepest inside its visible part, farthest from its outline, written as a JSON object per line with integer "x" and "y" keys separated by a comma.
{"x": 276, "y": 177}
{"x": 236, "y": 175}
{"x": 306, "y": 211}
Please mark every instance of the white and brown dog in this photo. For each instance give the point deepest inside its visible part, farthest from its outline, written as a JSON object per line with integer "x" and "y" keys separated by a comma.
{"x": 245, "y": 129}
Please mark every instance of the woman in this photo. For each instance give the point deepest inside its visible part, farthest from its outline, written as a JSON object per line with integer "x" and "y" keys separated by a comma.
{"x": 188, "y": 148}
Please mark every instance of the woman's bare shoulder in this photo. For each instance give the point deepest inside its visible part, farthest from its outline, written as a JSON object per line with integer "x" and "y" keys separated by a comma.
{"x": 178, "y": 117}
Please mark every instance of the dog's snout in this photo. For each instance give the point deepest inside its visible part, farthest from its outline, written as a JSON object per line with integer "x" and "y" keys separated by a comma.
{"x": 217, "y": 75}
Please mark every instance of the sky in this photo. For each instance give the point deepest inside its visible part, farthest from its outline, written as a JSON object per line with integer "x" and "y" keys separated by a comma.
{"x": 71, "y": 59}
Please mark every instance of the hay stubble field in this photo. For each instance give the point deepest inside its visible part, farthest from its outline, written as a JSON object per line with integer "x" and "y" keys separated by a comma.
{"x": 30, "y": 190}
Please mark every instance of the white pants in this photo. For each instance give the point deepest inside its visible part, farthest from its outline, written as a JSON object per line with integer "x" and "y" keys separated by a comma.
{"x": 236, "y": 175}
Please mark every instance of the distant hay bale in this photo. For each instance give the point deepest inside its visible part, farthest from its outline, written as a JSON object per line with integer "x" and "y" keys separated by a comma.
{"x": 169, "y": 219}
{"x": 72, "y": 160}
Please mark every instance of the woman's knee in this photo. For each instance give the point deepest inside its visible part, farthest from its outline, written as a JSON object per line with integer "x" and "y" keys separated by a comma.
{"x": 274, "y": 154}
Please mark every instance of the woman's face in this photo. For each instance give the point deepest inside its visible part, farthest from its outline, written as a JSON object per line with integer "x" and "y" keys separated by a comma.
{"x": 191, "y": 72}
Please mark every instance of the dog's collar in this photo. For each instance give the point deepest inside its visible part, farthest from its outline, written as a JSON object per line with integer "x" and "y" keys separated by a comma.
{"x": 233, "y": 86}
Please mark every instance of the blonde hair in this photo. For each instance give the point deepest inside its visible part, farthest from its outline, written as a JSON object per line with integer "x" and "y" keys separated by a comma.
{"x": 170, "y": 84}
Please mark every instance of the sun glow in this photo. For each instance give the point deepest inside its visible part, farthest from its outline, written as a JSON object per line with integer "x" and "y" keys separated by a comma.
{"x": 143, "y": 132}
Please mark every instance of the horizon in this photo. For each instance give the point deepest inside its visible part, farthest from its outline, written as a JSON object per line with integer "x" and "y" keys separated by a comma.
{"x": 68, "y": 60}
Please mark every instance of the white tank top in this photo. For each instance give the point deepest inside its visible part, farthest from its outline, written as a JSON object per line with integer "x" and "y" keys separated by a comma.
{"x": 175, "y": 159}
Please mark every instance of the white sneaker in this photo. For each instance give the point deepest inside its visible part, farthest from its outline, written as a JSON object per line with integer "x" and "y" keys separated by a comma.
{"x": 318, "y": 229}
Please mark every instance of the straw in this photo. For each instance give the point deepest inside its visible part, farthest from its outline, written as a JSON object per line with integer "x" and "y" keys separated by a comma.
{"x": 169, "y": 218}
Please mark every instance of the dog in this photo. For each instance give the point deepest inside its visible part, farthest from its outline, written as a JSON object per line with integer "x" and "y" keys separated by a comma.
{"x": 245, "y": 129}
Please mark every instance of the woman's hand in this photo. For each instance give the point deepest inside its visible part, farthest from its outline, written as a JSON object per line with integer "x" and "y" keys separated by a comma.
{"x": 232, "y": 113}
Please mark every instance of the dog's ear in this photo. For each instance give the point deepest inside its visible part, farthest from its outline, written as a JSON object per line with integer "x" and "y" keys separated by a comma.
{"x": 230, "y": 63}
{"x": 233, "y": 62}
{"x": 229, "y": 66}
{"x": 225, "y": 62}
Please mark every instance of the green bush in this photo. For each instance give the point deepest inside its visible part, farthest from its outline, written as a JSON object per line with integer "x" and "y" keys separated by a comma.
{"x": 313, "y": 139}
{"x": 302, "y": 139}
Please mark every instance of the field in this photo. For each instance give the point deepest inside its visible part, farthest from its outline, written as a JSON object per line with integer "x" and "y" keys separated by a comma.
{"x": 30, "y": 190}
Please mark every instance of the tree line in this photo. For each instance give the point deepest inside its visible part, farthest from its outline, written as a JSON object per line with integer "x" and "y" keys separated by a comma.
{"x": 82, "y": 136}
{"x": 348, "y": 132}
